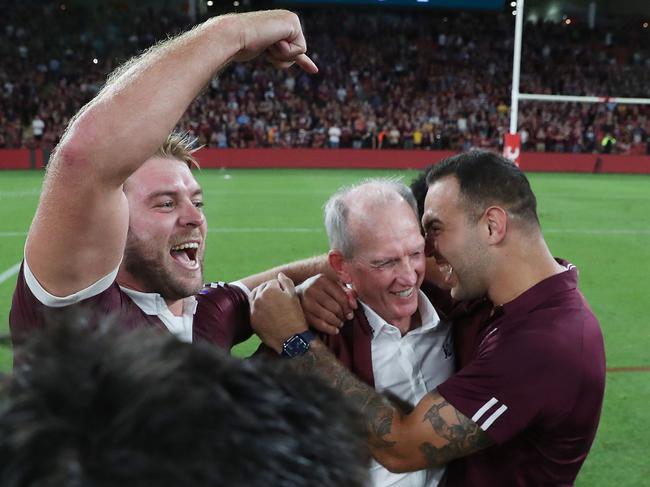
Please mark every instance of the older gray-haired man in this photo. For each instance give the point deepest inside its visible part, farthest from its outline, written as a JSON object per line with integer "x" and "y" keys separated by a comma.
{"x": 395, "y": 342}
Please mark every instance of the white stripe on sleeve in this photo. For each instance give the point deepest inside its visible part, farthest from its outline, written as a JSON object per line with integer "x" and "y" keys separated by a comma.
{"x": 483, "y": 409}
{"x": 495, "y": 415}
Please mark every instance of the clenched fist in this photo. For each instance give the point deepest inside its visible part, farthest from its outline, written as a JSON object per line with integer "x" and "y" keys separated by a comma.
{"x": 276, "y": 313}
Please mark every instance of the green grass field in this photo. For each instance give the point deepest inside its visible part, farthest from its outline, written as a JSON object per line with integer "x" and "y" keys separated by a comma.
{"x": 601, "y": 223}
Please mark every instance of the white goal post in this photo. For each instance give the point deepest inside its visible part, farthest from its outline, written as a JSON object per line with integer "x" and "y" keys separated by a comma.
{"x": 511, "y": 151}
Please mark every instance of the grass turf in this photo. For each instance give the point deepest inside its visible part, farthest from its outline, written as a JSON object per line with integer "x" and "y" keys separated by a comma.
{"x": 601, "y": 223}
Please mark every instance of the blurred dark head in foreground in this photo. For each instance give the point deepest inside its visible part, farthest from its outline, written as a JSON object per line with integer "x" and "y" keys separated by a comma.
{"x": 91, "y": 406}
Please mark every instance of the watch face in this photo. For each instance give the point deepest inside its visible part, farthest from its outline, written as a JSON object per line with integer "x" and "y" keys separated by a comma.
{"x": 295, "y": 346}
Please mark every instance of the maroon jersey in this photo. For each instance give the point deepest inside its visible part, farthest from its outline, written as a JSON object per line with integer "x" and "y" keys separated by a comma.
{"x": 467, "y": 318}
{"x": 535, "y": 386}
{"x": 221, "y": 317}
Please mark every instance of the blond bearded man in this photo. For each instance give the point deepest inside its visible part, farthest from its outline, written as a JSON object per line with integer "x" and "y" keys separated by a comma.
{"x": 119, "y": 226}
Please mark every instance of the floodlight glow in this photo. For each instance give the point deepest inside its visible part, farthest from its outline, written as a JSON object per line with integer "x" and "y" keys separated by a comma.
{"x": 514, "y": 12}
{"x": 95, "y": 60}
{"x": 235, "y": 3}
{"x": 645, "y": 25}
{"x": 567, "y": 21}
{"x": 209, "y": 3}
{"x": 513, "y": 4}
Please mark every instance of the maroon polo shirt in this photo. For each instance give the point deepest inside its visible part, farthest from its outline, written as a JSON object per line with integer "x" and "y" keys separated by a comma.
{"x": 535, "y": 387}
{"x": 222, "y": 313}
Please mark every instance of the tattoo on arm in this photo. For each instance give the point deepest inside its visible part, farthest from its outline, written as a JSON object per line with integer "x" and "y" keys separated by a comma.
{"x": 453, "y": 435}
{"x": 376, "y": 409}
{"x": 462, "y": 434}
{"x": 404, "y": 407}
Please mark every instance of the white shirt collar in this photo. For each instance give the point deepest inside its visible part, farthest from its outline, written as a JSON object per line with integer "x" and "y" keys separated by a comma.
{"x": 428, "y": 315}
{"x": 154, "y": 304}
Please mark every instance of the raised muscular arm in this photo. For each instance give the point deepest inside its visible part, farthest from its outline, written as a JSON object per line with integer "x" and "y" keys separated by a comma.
{"x": 79, "y": 230}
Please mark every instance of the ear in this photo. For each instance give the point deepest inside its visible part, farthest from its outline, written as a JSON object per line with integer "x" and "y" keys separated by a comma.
{"x": 339, "y": 265}
{"x": 496, "y": 224}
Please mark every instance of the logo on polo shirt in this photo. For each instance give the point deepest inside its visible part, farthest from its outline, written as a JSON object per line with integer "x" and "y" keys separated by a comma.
{"x": 447, "y": 347}
{"x": 211, "y": 285}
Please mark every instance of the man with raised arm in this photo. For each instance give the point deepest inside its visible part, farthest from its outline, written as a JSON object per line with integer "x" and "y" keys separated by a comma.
{"x": 119, "y": 226}
{"x": 525, "y": 408}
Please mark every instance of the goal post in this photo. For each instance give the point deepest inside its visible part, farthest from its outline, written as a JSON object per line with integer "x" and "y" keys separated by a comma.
{"x": 512, "y": 140}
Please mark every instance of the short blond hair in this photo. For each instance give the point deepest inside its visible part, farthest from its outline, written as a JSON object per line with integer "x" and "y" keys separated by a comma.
{"x": 180, "y": 146}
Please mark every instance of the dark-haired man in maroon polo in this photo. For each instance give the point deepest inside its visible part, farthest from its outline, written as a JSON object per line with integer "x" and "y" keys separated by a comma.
{"x": 525, "y": 408}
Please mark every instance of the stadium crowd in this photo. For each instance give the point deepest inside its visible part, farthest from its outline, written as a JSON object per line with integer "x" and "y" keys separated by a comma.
{"x": 412, "y": 80}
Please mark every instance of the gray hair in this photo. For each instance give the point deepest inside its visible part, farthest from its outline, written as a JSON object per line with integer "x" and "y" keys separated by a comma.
{"x": 337, "y": 208}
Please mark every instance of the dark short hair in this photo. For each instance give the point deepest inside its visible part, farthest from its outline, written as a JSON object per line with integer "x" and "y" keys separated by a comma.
{"x": 106, "y": 408}
{"x": 419, "y": 189}
{"x": 485, "y": 179}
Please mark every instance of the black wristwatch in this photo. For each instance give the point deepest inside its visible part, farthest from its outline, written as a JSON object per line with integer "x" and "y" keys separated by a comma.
{"x": 297, "y": 345}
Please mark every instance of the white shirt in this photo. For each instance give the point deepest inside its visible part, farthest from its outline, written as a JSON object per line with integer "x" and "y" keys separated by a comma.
{"x": 149, "y": 303}
{"x": 154, "y": 304}
{"x": 38, "y": 126}
{"x": 334, "y": 134}
{"x": 409, "y": 366}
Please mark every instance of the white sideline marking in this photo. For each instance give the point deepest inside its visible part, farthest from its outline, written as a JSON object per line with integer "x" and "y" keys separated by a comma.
{"x": 599, "y": 231}
{"x": 267, "y": 230}
{"x": 20, "y": 194}
{"x": 12, "y": 271}
{"x": 578, "y": 231}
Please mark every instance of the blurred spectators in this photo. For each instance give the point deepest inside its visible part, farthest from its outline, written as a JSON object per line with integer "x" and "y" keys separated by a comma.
{"x": 423, "y": 80}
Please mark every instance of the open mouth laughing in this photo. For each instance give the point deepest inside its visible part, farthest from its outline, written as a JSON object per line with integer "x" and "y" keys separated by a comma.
{"x": 186, "y": 254}
{"x": 446, "y": 270}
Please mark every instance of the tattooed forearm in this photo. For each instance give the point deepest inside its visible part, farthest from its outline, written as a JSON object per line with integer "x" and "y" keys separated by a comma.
{"x": 404, "y": 407}
{"x": 462, "y": 435}
{"x": 434, "y": 428}
{"x": 375, "y": 408}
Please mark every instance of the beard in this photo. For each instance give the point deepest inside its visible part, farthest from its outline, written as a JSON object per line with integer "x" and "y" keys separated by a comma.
{"x": 471, "y": 271}
{"x": 146, "y": 265}
{"x": 465, "y": 289}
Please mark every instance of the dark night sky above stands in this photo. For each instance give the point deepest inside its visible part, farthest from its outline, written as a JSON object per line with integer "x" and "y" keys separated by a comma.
{"x": 455, "y": 4}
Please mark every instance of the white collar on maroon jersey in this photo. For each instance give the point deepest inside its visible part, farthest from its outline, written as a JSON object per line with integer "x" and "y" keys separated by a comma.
{"x": 154, "y": 304}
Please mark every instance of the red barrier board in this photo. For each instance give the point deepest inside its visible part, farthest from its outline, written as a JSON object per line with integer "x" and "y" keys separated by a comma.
{"x": 319, "y": 158}
{"x": 370, "y": 159}
{"x": 17, "y": 159}
{"x": 410, "y": 159}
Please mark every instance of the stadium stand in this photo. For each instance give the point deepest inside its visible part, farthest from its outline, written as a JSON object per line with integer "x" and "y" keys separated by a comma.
{"x": 413, "y": 80}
